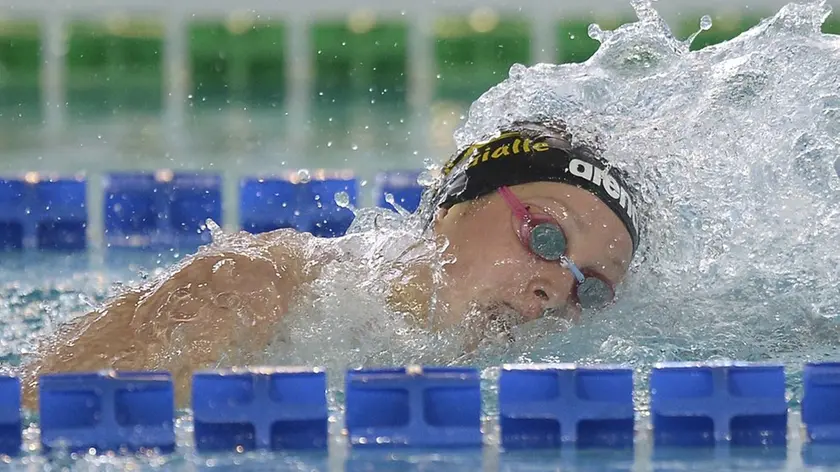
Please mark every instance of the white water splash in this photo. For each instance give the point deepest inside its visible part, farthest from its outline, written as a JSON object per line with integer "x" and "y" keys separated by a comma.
{"x": 735, "y": 148}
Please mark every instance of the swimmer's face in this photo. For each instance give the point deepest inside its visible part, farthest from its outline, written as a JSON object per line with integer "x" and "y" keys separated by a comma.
{"x": 494, "y": 274}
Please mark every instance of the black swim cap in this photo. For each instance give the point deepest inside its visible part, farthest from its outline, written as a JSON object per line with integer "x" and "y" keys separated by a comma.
{"x": 531, "y": 152}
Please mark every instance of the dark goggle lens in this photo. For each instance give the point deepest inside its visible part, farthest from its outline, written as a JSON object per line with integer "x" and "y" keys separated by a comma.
{"x": 548, "y": 241}
{"x": 594, "y": 293}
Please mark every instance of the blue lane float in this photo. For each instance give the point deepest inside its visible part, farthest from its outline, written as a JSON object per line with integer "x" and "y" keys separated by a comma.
{"x": 328, "y": 219}
{"x": 694, "y": 404}
{"x": 195, "y": 197}
{"x": 269, "y": 409}
{"x": 10, "y": 418}
{"x": 402, "y": 184}
{"x": 151, "y": 210}
{"x": 105, "y": 411}
{"x": 134, "y": 205}
{"x": 14, "y": 209}
{"x": 418, "y": 407}
{"x": 43, "y": 212}
{"x": 266, "y": 204}
{"x": 274, "y": 202}
{"x": 546, "y": 406}
{"x": 821, "y": 402}
{"x": 61, "y": 212}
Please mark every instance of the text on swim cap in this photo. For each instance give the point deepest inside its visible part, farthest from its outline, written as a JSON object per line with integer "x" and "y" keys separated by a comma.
{"x": 478, "y": 153}
{"x": 601, "y": 177}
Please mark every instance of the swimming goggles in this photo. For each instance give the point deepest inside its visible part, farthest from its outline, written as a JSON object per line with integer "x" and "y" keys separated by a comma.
{"x": 544, "y": 237}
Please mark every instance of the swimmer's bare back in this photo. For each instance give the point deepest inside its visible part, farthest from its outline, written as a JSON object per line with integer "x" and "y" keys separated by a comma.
{"x": 217, "y": 308}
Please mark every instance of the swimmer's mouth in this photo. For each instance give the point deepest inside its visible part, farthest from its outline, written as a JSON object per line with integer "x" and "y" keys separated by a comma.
{"x": 502, "y": 322}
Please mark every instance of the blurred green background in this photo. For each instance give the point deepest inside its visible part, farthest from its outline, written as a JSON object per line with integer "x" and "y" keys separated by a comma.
{"x": 236, "y": 106}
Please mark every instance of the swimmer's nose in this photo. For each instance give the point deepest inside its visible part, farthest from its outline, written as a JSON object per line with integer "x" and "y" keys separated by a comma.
{"x": 542, "y": 297}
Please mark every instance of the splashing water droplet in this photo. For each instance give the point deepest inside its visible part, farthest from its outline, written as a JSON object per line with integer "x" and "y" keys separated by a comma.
{"x": 517, "y": 71}
{"x": 342, "y": 199}
{"x": 212, "y": 225}
{"x": 595, "y": 32}
{"x": 705, "y": 24}
{"x": 304, "y": 176}
{"x": 644, "y": 10}
{"x": 426, "y": 179}
{"x": 389, "y": 197}
{"x": 216, "y": 232}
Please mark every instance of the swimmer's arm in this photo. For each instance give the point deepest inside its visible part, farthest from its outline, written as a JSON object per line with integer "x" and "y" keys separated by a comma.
{"x": 215, "y": 309}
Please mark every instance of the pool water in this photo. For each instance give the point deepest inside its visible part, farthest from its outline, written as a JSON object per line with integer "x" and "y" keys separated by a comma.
{"x": 40, "y": 289}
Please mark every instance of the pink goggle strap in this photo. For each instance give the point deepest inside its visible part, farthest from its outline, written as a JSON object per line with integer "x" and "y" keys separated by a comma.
{"x": 518, "y": 208}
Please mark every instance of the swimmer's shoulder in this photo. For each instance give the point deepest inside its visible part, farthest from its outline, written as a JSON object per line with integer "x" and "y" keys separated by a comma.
{"x": 300, "y": 253}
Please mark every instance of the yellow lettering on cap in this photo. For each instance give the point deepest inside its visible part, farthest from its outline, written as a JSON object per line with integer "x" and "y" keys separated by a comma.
{"x": 470, "y": 150}
{"x": 501, "y": 151}
{"x": 481, "y": 152}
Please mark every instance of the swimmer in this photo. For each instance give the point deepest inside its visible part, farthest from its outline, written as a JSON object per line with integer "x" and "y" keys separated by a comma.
{"x": 536, "y": 226}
